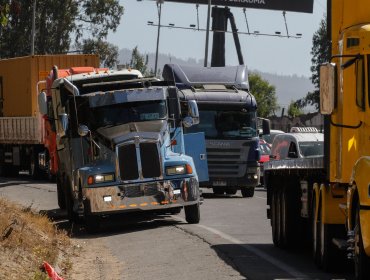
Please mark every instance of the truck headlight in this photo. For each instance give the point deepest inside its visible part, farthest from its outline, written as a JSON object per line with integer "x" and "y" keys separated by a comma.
{"x": 179, "y": 169}
{"x": 100, "y": 178}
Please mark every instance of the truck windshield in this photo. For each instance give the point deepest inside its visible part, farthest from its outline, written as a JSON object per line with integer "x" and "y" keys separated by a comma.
{"x": 226, "y": 124}
{"x": 123, "y": 113}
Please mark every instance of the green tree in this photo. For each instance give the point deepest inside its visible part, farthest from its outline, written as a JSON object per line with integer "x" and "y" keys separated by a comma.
{"x": 139, "y": 62}
{"x": 58, "y": 25}
{"x": 320, "y": 53}
{"x": 265, "y": 95}
{"x": 108, "y": 53}
{"x": 294, "y": 110}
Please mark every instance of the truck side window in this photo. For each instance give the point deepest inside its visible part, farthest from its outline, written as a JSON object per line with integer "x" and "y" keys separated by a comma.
{"x": 292, "y": 152}
{"x": 360, "y": 82}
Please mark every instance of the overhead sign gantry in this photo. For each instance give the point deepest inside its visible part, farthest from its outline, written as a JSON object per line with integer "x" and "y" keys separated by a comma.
{"x": 301, "y": 6}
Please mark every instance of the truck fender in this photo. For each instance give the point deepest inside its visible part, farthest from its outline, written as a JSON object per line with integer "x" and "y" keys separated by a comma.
{"x": 359, "y": 194}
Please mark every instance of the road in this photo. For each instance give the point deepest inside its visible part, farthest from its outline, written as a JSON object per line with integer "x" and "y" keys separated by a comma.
{"x": 232, "y": 241}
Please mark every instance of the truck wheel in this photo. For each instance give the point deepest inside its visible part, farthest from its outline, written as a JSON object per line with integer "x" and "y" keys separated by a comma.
{"x": 60, "y": 194}
{"x": 328, "y": 256}
{"x": 247, "y": 192}
{"x": 73, "y": 217}
{"x": 276, "y": 217}
{"x": 361, "y": 260}
{"x": 34, "y": 164}
{"x": 315, "y": 232}
{"x": 284, "y": 220}
{"x": 274, "y": 220}
{"x": 218, "y": 191}
{"x": 192, "y": 213}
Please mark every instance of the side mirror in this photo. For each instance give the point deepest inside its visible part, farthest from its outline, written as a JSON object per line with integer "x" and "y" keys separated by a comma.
{"x": 83, "y": 130}
{"x": 265, "y": 126}
{"x": 327, "y": 88}
{"x": 193, "y": 111}
{"x": 63, "y": 119}
{"x": 42, "y": 101}
{"x": 188, "y": 121}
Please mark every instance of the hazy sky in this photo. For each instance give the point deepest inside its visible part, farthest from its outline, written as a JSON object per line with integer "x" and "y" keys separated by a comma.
{"x": 265, "y": 53}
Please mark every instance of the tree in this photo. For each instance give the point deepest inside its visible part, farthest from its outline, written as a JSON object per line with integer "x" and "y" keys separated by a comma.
{"x": 320, "y": 53}
{"x": 139, "y": 62}
{"x": 58, "y": 25}
{"x": 294, "y": 110}
{"x": 108, "y": 53}
{"x": 265, "y": 95}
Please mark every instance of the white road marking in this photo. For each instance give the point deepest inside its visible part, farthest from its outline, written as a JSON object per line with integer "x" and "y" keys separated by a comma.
{"x": 260, "y": 197}
{"x": 281, "y": 265}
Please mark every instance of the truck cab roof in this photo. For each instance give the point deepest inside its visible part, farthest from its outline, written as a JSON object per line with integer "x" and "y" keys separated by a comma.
{"x": 191, "y": 76}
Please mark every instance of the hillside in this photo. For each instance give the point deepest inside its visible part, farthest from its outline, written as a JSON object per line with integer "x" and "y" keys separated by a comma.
{"x": 288, "y": 88}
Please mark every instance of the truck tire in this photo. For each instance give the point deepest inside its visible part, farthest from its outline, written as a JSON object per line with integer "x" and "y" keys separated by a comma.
{"x": 361, "y": 260}
{"x": 315, "y": 232}
{"x": 247, "y": 191}
{"x": 73, "y": 217}
{"x": 218, "y": 191}
{"x": 34, "y": 164}
{"x": 192, "y": 213}
{"x": 328, "y": 254}
{"x": 276, "y": 217}
{"x": 60, "y": 194}
{"x": 274, "y": 220}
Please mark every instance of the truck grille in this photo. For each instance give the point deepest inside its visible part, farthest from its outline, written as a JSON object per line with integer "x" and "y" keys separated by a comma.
{"x": 226, "y": 162}
{"x": 146, "y": 166}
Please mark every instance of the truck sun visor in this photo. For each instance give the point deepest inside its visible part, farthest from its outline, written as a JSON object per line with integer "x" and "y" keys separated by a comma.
{"x": 124, "y": 96}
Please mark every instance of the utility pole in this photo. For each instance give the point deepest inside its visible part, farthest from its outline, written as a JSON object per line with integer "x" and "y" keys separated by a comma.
{"x": 159, "y": 7}
{"x": 33, "y": 28}
{"x": 207, "y": 33}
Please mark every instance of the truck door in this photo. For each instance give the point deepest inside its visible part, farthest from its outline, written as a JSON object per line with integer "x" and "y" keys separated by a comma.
{"x": 195, "y": 146}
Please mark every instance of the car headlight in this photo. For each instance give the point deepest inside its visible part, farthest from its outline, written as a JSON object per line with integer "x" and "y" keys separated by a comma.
{"x": 179, "y": 169}
{"x": 100, "y": 178}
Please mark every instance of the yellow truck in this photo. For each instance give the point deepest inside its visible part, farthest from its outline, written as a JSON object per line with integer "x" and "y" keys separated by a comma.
{"x": 327, "y": 199}
{"x": 27, "y": 140}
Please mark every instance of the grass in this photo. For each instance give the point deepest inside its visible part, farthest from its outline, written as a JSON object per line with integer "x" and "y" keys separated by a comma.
{"x": 26, "y": 240}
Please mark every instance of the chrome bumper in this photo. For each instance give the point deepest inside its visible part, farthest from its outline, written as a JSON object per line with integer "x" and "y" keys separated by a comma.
{"x": 144, "y": 196}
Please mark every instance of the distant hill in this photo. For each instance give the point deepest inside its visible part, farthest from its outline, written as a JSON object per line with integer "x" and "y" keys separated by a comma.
{"x": 288, "y": 88}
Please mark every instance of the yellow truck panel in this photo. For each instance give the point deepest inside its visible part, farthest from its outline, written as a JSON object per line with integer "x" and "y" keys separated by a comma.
{"x": 19, "y": 77}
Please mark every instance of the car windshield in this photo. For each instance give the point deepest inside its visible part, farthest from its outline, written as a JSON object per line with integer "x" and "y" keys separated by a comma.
{"x": 123, "y": 113}
{"x": 311, "y": 148}
{"x": 226, "y": 124}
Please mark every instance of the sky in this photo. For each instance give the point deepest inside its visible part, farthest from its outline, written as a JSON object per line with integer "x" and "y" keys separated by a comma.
{"x": 276, "y": 55}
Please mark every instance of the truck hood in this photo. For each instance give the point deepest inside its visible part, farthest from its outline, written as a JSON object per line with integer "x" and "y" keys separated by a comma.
{"x": 114, "y": 135}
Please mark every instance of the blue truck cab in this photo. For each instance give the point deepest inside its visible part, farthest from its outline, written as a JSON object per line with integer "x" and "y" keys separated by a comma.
{"x": 121, "y": 148}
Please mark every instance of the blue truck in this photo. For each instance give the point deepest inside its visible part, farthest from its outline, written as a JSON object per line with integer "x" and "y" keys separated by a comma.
{"x": 228, "y": 113}
{"x": 121, "y": 146}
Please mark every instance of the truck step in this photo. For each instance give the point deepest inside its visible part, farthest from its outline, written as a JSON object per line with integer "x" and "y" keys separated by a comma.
{"x": 341, "y": 244}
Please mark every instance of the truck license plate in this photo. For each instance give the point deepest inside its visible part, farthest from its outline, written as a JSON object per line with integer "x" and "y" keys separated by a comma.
{"x": 219, "y": 183}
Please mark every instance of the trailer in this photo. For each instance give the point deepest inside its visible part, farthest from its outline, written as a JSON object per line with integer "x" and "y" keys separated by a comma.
{"x": 26, "y": 140}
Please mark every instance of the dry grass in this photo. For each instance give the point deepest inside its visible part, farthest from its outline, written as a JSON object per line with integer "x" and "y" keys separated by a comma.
{"x": 26, "y": 240}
